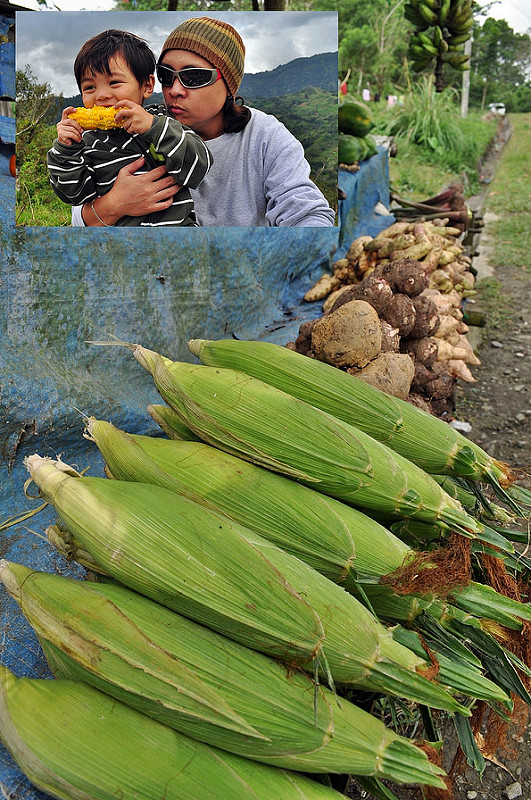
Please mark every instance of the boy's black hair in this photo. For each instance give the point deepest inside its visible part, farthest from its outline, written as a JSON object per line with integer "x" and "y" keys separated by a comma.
{"x": 94, "y": 56}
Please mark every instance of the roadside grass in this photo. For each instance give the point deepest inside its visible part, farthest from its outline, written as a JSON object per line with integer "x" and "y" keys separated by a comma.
{"x": 499, "y": 313}
{"x": 418, "y": 172}
{"x": 510, "y": 199}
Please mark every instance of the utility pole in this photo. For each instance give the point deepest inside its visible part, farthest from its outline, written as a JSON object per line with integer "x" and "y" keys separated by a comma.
{"x": 466, "y": 82}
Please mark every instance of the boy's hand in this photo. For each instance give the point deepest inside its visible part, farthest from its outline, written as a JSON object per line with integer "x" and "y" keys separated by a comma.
{"x": 132, "y": 117}
{"x": 68, "y": 130}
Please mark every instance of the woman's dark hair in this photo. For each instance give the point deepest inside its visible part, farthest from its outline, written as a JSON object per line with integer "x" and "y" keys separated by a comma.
{"x": 94, "y": 56}
{"x": 235, "y": 114}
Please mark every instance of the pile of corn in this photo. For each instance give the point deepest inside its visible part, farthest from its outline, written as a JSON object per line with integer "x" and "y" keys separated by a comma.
{"x": 414, "y": 276}
{"x": 248, "y": 571}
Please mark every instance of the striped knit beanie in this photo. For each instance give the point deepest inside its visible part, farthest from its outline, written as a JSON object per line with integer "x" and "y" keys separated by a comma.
{"x": 214, "y": 40}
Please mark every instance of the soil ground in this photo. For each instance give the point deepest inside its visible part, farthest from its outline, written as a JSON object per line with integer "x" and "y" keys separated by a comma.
{"x": 498, "y": 408}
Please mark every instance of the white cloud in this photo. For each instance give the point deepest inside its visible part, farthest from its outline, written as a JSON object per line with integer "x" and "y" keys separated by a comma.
{"x": 271, "y": 38}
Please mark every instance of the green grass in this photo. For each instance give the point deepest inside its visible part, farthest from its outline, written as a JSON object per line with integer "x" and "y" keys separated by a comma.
{"x": 510, "y": 199}
{"x": 496, "y": 305}
{"x": 436, "y": 146}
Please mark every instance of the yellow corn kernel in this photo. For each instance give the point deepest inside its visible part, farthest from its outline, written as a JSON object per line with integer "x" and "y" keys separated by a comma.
{"x": 97, "y": 117}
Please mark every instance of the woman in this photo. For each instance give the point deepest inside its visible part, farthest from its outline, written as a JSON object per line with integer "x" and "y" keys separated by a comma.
{"x": 259, "y": 177}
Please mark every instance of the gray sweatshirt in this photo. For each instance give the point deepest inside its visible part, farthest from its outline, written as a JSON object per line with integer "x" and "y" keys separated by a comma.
{"x": 259, "y": 178}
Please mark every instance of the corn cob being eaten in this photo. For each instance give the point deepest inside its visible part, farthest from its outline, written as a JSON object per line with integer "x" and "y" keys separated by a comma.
{"x": 96, "y": 118}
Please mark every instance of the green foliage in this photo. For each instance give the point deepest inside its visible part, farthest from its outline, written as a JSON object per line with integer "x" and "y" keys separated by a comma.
{"x": 311, "y": 116}
{"x": 36, "y": 203}
{"x": 427, "y": 118}
{"x": 436, "y": 146}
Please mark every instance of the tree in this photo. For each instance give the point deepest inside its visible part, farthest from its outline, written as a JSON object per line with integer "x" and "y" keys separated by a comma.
{"x": 372, "y": 41}
{"x": 34, "y": 100}
{"x": 501, "y": 62}
{"x": 205, "y": 5}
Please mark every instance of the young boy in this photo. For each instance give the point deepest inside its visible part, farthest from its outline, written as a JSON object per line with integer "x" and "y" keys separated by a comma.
{"x": 116, "y": 69}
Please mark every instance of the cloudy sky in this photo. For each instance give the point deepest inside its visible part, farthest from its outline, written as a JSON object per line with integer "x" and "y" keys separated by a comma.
{"x": 49, "y": 41}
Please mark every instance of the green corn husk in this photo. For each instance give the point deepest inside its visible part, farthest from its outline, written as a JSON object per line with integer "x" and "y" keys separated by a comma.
{"x": 484, "y": 601}
{"x": 230, "y": 579}
{"x": 203, "y": 684}
{"x": 473, "y": 499}
{"x": 249, "y": 418}
{"x": 169, "y": 422}
{"x": 275, "y": 507}
{"x": 457, "y": 672}
{"x": 330, "y": 536}
{"x": 76, "y": 743}
{"x": 418, "y": 436}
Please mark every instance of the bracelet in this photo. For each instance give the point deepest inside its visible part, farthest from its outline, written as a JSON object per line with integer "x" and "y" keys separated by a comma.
{"x": 105, "y": 224}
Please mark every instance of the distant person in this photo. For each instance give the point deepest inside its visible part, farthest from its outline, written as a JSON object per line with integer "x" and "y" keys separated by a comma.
{"x": 377, "y": 97}
{"x": 366, "y": 95}
{"x": 259, "y": 177}
{"x": 115, "y": 69}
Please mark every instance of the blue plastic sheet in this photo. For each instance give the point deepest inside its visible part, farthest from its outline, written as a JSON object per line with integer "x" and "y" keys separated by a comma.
{"x": 61, "y": 289}
{"x": 367, "y": 195}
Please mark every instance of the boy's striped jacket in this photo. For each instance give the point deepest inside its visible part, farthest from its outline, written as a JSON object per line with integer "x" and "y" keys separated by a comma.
{"x": 85, "y": 170}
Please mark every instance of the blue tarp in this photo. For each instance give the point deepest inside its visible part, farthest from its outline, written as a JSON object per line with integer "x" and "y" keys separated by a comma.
{"x": 367, "y": 195}
{"x": 61, "y": 288}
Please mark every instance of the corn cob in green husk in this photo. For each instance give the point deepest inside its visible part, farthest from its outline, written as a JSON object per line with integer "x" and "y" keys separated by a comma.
{"x": 169, "y": 422}
{"x": 75, "y": 743}
{"x": 203, "y": 684}
{"x": 420, "y": 437}
{"x": 333, "y": 538}
{"x": 230, "y": 579}
{"x": 330, "y": 536}
{"x": 249, "y": 418}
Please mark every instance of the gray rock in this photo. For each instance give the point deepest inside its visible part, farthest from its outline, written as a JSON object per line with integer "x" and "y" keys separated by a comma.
{"x": 471, "y": 795}
{"x": 494, "y": 343}
{"x": 513, "y": 791}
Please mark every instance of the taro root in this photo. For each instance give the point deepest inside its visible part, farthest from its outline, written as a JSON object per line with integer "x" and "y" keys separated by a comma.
{"x": 389, "y": 372}
{"x": 344, "y": 271}
{"x": 400, "y": 313}
{"x": 321, "y": 288}
{"x": 415, "y": 251}
{"x": 424, "y": 351}
{"x": 432, "y": 383}
{"x": 390, "y": 338}
{"x": 333, "y": 296}
{"x": 459, "y": 369}
{"x": 405, "y": 276}
{"x": 303, "y": 342}
{"x": 373, "y": 290}
{"x": 431, "y": 261}
{"x": 349, "y": 336}
{"x": 447, "y": 326}
{"x": 427, "y": 318}
{"x": 356, "y": 248}
{"x": 440, "y": 280}
{"x": 387, "y": 246}
{"x": 463, "y": 350}
{"x": 421, "y": 402}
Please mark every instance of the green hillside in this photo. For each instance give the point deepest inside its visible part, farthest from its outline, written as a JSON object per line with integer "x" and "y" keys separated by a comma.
{"x": 311, "y": 116}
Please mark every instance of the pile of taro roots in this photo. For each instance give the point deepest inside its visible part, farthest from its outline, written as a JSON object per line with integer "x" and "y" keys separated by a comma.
{"x": 392, "y": 314}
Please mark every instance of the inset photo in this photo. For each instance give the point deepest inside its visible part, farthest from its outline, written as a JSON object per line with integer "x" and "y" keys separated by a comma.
{"x": 176, "y": 119}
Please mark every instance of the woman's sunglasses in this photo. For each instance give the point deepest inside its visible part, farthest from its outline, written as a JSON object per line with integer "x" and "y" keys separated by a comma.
{"x": 190, "y": 77}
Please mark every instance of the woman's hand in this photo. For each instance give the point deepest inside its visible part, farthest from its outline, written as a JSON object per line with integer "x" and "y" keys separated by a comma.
{"x": 134, "y": 195}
